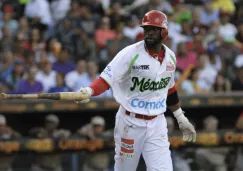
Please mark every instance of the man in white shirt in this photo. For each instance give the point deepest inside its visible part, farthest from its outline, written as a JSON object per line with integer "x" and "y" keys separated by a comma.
{"x": 46, "y": 76}
{"x": 133, "y": 29}
{"x": 39, "y": 9}
{"x": 72, "y": 77}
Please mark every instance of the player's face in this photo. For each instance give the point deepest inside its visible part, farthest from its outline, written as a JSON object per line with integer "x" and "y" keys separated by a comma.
{"x": 152, "y": 35}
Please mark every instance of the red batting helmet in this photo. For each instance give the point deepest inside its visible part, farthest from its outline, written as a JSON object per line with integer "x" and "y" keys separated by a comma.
{"x": 157, "y": 19}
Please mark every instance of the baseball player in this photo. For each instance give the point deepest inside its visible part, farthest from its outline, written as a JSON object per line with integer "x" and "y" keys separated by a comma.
{"x": 142, "y": 79}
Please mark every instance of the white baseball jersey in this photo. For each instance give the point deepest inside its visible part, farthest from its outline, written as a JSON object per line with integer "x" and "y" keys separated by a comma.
{"x": 138, "y": 81}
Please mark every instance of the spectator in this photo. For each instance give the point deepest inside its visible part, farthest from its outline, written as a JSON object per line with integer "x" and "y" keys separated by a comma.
{"x": 95, "y": 130}
{"x": 196, "y": 45}
{"x": 190, "y": 85}
{"x": 7, "y": 42}
{"x": 221, "y": 84}
{"x": 211, "y": 159}
{"x": 87, "y": 78}
{"x": 183, "y": 56}
{"x": 59, "y": 9}
{"x": 16, "y": 75}
{"x": 207, "y": 74}
{"x": 60, "y": 84}
{"x": 88, "y": 21}
{"x": 225, "y": 5}
{"x": 24, "y": 26}
{"x": 132, "y": 29}
{"x": 74, "y": 11}
{"x": 209, "y": 15}
{"x": 228, "y": 52}
{"x": 116, "y": 15}
{"x": 35, "y": 43}
{"x": 8, "y": 20}
{"x": 39, "y": 13}
{"x": 30, "y": 85}
{"x": 64, "y": 33}
{"x": 104, "y": 33}
{"x": 7, "y": 65}
{"x": 237, "y": 84}
{"x": 238, "y": 151}
{"x": 6, "y": 133}
{"x": 120, "y": 42}
{"x": 214, "y": 59}
{"x": 47, "y": 162}
{"x": 46, "y": 76}
{"x": 64, "y": 63}
{"x": 20, "y": 46}
{"x": 227, "y": 31}
{"x": 29, "y": 58}
{"x": 186, "y": 29}
{"x": 88, "y": 50}
{"x": 72, "y": 76}
{"x": 180, "y": 12}
{"x": 53, "y": 48}
{"x": 96, "y": 7}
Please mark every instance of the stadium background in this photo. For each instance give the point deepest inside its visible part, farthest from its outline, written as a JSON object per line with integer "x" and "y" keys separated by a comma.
{"x": 62, "y": 45}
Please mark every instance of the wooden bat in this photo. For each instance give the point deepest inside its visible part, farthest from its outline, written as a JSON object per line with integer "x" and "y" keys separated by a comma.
{"x": 51, "y": 96}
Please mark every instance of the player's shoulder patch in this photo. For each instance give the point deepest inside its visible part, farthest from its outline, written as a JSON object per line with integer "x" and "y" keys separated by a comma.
{"x": 171, "y": 54}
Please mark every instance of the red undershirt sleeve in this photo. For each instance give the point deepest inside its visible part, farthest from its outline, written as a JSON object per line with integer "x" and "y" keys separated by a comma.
{"x": 171, "y": 90}
{"x": 99, "y": 86}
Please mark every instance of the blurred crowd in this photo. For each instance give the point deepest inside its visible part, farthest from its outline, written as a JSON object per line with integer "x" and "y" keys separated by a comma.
{"x": 62, "y": 45}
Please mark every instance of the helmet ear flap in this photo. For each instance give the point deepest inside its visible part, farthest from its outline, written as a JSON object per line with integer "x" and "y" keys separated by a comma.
{"x": 164, "y": 33}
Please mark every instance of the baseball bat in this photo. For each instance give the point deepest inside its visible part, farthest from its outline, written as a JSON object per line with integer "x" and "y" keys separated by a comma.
{"x": 51, "y": 96}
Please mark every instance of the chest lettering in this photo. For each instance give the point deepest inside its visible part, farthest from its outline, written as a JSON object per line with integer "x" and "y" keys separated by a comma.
{"x": 144, "y": 85}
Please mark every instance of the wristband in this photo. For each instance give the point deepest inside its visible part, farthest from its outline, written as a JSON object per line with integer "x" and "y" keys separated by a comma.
{"x": 90, "y": 91}
{"x": 178, "y": 112}
{"x": 180, "y": 117}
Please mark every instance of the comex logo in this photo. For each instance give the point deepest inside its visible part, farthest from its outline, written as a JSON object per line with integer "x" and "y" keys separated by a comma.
{"x": 142, "y": 67}
{"x": 147, "y": 105}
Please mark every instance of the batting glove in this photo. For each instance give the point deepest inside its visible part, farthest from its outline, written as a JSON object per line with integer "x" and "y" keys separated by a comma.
{"x": 188, "y": 130}
{"x": 88, "y": 91}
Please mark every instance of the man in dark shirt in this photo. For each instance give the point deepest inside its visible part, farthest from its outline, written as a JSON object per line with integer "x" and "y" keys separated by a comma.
{"x": 237, "y": 84}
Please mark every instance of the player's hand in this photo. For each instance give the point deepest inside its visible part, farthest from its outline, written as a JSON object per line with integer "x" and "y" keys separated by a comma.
{"x": 188, "y": 131}
{"x": 88, "y": 91}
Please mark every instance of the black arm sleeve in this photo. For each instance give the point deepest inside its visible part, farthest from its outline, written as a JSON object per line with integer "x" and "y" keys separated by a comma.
{"x": 172, "y": 99}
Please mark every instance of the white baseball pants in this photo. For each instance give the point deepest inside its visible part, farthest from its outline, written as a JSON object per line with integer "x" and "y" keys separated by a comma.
{"x": 134, "y": 137}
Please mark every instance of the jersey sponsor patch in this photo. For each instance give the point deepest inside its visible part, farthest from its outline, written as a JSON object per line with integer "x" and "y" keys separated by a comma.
{"x": 138, "y": 103}
{"x": 127, "y": 148}
{"x": 142, "y": 67}
{"x": 144, "y": 85}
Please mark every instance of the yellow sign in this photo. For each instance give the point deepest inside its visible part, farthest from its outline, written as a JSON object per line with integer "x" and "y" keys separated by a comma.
{"x": 9, "y": 146}
{"x": 43, "y": 145}
{"x": 91, "y": 145}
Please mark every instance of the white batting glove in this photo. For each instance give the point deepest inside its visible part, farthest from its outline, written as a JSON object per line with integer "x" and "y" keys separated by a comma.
{"x": 188, "y": 130}
{"x": 85, "y": 90}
